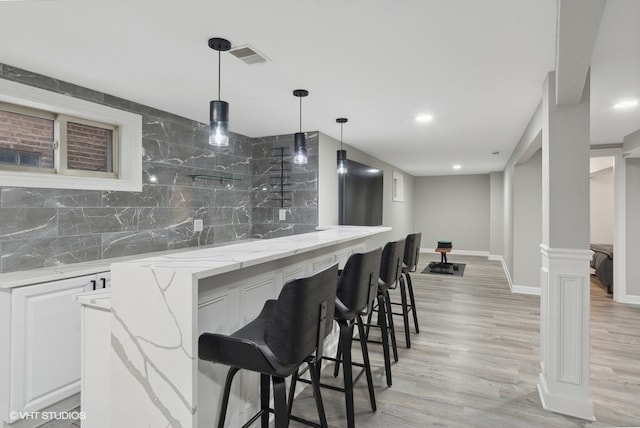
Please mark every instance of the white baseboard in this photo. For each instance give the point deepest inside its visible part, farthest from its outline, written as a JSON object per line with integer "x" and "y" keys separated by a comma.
{"x": 506, "y": 273}
{"x": 564, "y": 404}
{"x": 525, "y": 289}
{"x": 459, "y": 252}
{"x": 631, "y": 300}
{"x": 496, "y": 257}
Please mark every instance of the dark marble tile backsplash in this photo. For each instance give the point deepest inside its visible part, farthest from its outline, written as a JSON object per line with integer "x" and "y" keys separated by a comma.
{"x": 46, "y": 227}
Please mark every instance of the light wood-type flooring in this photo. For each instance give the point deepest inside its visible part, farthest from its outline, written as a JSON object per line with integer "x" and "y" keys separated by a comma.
{"x": 476, "y": 360}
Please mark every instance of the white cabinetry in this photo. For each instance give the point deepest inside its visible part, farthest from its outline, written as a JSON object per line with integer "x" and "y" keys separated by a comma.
{"x": 43, "y": 367}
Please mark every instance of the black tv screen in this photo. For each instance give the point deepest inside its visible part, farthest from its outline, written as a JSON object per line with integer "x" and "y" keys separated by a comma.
{"x": 360, "y": 192}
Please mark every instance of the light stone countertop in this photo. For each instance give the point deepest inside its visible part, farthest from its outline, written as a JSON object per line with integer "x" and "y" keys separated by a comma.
{"x": 23, "y": 278}
{"x": 208, "y": 261}
{"x": 203, "y": 263}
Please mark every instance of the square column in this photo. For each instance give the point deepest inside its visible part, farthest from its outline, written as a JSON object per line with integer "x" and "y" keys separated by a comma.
{"x": 563, "y": 384}
{"x": 564, "y": 279}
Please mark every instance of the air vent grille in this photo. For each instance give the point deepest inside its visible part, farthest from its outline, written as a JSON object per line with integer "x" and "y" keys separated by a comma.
{"x": 248, "y": 54}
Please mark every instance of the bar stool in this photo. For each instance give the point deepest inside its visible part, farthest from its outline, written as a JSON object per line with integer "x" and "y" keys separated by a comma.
{"x": 357, "y": 289}
{"x": 390, "y": 271}
{"x": 409, "y": 264}
{"x": 285, "y": 334}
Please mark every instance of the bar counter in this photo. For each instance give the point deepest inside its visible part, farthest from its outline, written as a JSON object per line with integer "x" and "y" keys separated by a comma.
{"x": 160, "y": 305}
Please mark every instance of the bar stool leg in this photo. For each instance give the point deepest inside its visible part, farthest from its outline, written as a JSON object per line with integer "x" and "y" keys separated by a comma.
{"x": 265, "y": 392}
{"x": 280, "y": 402}
{"x": 389, "y": 309}
{"x": 315, "y": 381}
{"x": 225, "y": 396}
{"x": 336, "y": 368}
{"x": 367, "y": 365}
{"x": 413, "y": 303}
{"x": 405, "y": 311}
{"x": 382, "y": 318}
{"x": 346, "y": 337}
{"x": 292, "y": 390}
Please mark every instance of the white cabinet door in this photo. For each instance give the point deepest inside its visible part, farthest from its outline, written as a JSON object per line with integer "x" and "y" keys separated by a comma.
{"x": 45, "y": 343}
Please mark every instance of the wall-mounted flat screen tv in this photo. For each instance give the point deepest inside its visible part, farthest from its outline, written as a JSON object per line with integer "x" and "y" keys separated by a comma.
{"x": 360, "y": 192}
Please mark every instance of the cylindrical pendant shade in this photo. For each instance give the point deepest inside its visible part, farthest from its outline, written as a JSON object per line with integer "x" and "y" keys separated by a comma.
{"x": 219, "y": 123}
{"x": 342, "y": 161}
{"x": 299, "y": 148}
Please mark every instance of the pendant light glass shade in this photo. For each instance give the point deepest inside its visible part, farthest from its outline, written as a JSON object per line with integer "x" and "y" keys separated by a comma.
{"x": 299, "y": 149}
{"x": 219, "y": 123}
{"x": 218, "y": 109}
{"x": 342, "y": 161}
{"x": 342, "y": 154}
{"x": 299, "y": 140}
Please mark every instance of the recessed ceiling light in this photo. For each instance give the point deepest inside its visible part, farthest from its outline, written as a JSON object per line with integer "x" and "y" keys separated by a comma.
{"x": 495, "y": 153}
{"x": 423, "y": 118}
{"x": 623, "y": 105}
{"x": 457, "y": 166}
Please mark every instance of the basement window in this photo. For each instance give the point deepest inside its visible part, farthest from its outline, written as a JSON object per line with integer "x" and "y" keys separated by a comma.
{"x": 56, "y": 141}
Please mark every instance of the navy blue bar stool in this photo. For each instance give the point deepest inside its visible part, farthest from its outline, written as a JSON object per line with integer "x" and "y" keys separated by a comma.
{"x": 287, "y": 333}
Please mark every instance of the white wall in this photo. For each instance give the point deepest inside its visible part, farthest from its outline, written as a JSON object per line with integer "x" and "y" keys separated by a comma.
{"x": 453, "y": 208}
{"x": 527, "y": 222}
{"x": 602, "y": 210}
{"x": 397, "y": 215}
{"x": 633, "y": 226}
{"x": 529, "y": 143}
{"x": 496, "y": 214}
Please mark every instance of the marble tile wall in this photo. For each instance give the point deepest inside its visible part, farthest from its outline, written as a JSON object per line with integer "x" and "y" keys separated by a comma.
{"x": 46, "y": 227}
{"x": 301, "y": 184}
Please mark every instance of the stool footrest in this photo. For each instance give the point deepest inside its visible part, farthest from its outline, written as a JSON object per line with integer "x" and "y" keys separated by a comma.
{"x": 304, "y": 421}
{"x": 256, "y": 416}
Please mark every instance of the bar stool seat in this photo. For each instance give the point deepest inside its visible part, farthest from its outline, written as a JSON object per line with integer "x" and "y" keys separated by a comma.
{"x": 288, "y": 332}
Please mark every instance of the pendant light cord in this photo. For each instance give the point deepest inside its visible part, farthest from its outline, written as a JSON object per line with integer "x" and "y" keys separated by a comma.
{"x": 300, "y": 114}
{"x": 341, "y": 135}
{"x": 219, "y": 75}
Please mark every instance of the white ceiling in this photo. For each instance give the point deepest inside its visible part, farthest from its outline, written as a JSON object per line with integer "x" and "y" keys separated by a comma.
{"x": 476, "y": 66}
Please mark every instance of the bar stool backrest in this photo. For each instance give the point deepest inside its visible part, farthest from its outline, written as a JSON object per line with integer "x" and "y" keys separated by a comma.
{"x": 303, "y": 316}
{"x": 391, "y": 262}
{"x": 412, "y": 250}
{"x": 358, "y": 282}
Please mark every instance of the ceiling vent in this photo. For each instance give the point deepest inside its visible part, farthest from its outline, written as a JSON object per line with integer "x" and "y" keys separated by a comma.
{"x": 248, "y": 54}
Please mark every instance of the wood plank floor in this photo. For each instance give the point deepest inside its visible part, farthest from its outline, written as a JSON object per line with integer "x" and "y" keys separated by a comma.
{"x": 475, "y": 362}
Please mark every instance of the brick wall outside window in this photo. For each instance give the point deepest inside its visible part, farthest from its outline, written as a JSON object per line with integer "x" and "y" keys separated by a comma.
{"x": 88, "y": 147}
{"x": 30, "y": 134}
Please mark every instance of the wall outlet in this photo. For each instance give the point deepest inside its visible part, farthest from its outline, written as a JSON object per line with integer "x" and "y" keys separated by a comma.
{"x": 283, "y": 214}
{"x": 198, "y": 225}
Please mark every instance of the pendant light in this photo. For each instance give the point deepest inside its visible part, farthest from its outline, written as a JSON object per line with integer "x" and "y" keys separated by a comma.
{"x": 218, "y": 109}
{"x": 342, "y": 154}
{"x": 299, "y": 141}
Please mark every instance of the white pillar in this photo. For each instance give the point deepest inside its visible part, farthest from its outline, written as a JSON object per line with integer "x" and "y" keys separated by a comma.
{"x": 564, "y": 304}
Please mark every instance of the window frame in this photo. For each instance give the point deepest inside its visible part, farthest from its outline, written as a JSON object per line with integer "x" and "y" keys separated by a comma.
{"x": 41, "y": 114}
{"x": 127, "y": 159}
{"x": 62, "y": 122}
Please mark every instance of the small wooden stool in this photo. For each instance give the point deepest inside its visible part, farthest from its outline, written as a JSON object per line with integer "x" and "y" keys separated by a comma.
{"x": 443, "y": 248}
